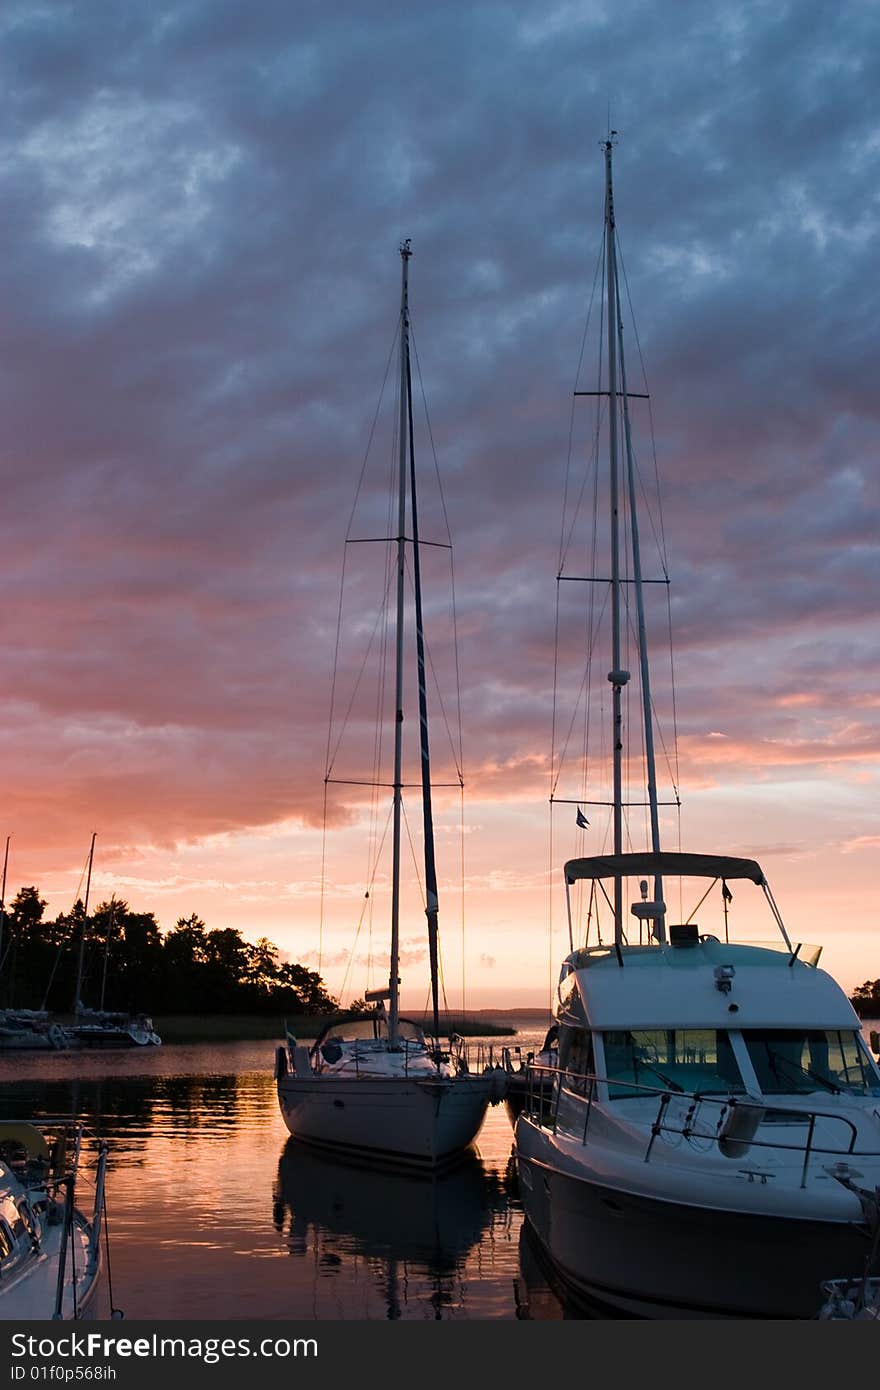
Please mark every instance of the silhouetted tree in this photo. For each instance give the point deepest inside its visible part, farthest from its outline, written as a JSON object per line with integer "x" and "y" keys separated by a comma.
{"x": 866, "y": 999}
{"x": 189, "y": 969}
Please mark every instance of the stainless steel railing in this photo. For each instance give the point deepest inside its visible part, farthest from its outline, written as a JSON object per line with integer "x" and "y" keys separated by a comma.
{"x": 547, "y": 1085}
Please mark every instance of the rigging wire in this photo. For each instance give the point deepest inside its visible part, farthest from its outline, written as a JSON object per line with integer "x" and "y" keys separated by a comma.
{"x": 339, "y": 725}
{"x": 563, "y": 544}
{"x": 561, "y": 747}
{"x": 661, "y": 545}
{"x": 335, "y": 667}
{"x": 364, "y": 906}
{"x": 459, "y": 760}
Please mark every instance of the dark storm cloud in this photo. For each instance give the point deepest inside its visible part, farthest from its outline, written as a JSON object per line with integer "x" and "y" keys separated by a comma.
{"x": 202, "y": 204}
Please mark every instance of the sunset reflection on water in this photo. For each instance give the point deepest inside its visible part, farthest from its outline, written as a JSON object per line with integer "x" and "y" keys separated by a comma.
{"x": 213, "y": 1212}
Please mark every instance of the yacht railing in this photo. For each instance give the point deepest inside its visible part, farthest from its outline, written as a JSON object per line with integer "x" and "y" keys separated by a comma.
{"x": 547, "y": 1084}
{"x": 407, "y": 1046}
{"x": 464, "y": 1056}
{"x": 60, "y": 1178}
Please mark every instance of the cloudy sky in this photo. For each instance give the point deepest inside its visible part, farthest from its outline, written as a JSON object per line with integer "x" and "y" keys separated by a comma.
{"x": 201, "y": 208}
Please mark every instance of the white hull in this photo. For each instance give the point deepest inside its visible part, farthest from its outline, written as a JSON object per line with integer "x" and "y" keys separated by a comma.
{"x": 402, "y": 1121}
{"x": 30, "y": 1295}
{"x": 22, "y": 1041}
{"x": 99, "y": 1037}
{"x": 52, "y": 1251}
{"x": 663, "y": 1258}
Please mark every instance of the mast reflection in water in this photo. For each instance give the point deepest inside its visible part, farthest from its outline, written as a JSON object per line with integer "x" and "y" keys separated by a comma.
{"x": 404, "y": 1242}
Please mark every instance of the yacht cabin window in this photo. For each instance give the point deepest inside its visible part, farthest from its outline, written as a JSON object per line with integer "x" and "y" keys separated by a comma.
{"x": 644, "y": 1061}
{"x": 576, "y": 1057}
{"x": 796, "y": 1061}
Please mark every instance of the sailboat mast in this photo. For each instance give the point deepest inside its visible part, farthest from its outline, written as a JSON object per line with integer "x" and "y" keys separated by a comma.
{"x": 77, "y": 1001}
{"x": 110, "y": 921}
{"x": 394, "y": 981}
{"x": 660, "y": 929}
{"x": 617, "y": 676}
{"x": 432, "y": 904}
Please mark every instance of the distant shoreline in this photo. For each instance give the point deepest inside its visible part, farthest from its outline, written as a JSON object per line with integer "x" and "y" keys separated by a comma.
{"x": 193, "y": 1028}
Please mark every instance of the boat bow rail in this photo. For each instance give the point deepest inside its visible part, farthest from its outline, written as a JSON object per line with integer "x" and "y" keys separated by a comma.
{"x": 704, "y": 1118}
{"x": 48, "y": 1163}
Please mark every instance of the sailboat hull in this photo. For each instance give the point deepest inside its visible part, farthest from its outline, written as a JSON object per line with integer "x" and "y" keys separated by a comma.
{"x": 109, "y": 1037}
{"x": 398, "y": 1122}
{"x": 667, "y": 1259}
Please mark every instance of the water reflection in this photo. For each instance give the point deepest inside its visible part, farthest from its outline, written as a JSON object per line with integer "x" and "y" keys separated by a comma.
{"x": 396, "y": 1243}
{"x": 213, "y": 1212}
{"x": 539, "y": 1293}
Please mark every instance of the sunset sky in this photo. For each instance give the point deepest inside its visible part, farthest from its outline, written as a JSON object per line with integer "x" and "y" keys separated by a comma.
{"x": 202, "y": 204}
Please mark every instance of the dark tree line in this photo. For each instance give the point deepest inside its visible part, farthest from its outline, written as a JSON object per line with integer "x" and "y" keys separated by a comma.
{"x": 128, "y": 963}
{"x": 866, "y": 999}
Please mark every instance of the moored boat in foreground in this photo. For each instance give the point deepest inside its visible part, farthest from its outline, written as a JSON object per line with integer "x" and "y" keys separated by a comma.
{"x": 50, "y": 1248}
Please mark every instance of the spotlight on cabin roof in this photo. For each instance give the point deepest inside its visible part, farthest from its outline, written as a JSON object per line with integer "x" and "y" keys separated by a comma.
{"x": 724, "y": 978}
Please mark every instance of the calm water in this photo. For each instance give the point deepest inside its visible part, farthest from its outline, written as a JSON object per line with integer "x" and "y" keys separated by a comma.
{"x": 215, "y": 1213}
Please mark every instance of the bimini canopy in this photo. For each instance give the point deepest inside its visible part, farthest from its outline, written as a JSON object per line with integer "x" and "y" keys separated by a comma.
{"x": 665, "y": 864}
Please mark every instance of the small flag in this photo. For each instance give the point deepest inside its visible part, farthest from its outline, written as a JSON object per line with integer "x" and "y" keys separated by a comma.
{"x": 725, "y": 892}
{"x": 581, "y": 819}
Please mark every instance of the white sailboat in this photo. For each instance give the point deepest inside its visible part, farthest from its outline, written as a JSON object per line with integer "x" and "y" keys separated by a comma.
{"x": 84, "y": 1027}
{"x": 375, "y": 1086}
{"x": 712, "y": 1145}
{"x": 24, "y": 1030}
{"x": 104, "y": 1028}
{"x": 50, "y": 1249}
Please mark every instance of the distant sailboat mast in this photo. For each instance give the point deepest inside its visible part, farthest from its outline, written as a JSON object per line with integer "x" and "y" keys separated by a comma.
{"x": 110, "y": 923}
{"x": 77, "y": 1001}
{"x": 3, "y": 898}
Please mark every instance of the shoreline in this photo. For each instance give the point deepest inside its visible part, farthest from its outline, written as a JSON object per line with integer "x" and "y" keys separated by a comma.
{"x": 193, "y": 1028}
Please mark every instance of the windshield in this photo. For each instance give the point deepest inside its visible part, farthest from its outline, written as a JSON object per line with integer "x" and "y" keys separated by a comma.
{"x": 369, "y": 1026}
{"x": 799, "y": 1062}
{"x": 675, "y": 1059}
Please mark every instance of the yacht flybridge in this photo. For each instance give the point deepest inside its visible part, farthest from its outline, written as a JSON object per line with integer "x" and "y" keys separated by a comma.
{"x": 711, "y": 1144}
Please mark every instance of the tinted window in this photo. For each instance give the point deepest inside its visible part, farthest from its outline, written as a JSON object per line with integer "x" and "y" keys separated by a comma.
{"x": 677, "y": 1059}
{"x": 791, "y": 1061}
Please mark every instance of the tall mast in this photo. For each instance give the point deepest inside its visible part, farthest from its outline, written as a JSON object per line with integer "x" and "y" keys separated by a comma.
{"x": 617, "y": 676}
{"x": 77, "y": 1002}
{"x": 650, "y": 770}
{"x": 432, "y": 904}
{"x": 394, "y": 982}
